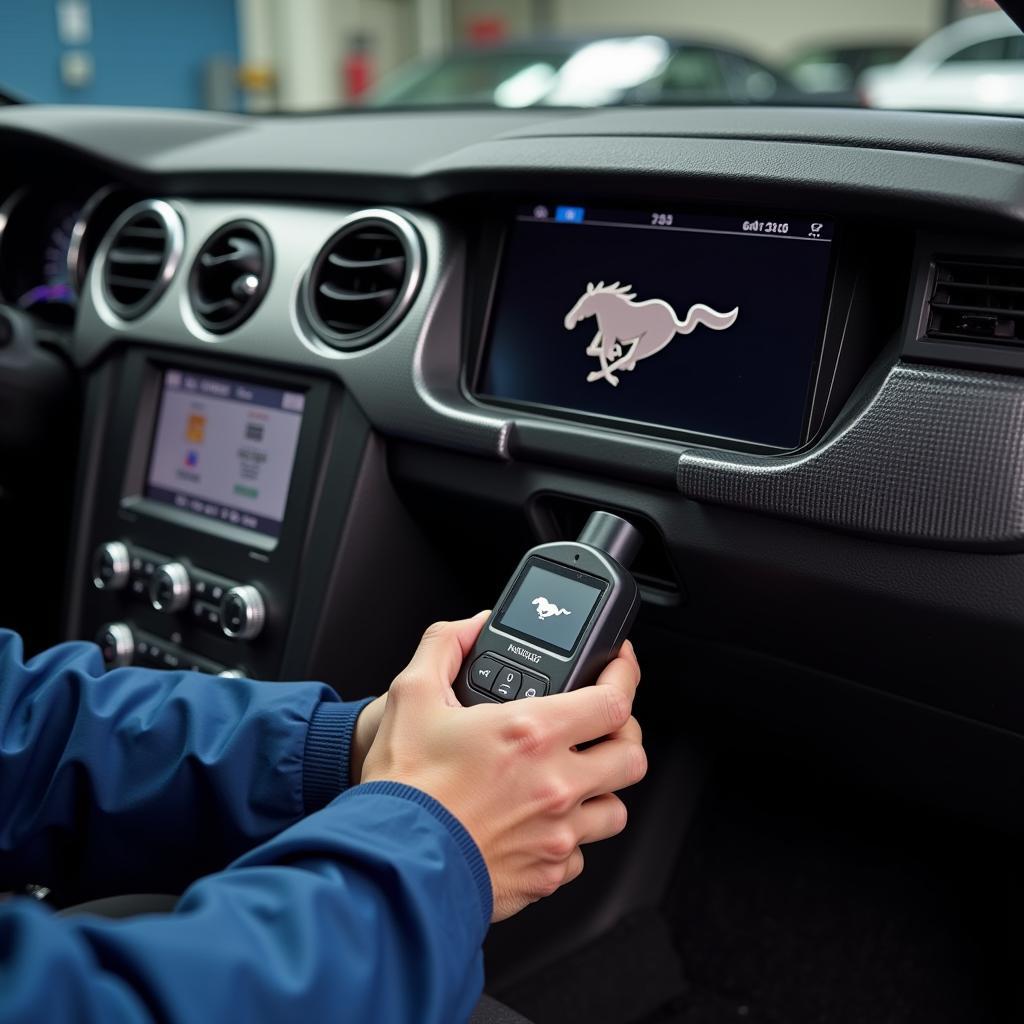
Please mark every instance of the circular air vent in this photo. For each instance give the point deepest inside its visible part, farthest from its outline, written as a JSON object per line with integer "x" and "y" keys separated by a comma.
{"x": 230, "y": 275}
{"x": 141, "y": 256}
{"x": 364, "y": 279}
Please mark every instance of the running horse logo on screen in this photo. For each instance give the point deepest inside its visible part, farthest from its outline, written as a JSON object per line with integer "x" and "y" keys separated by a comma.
{"x": 628, "y": 331}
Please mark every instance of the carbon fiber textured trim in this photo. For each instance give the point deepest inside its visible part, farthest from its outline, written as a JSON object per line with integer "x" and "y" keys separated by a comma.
{"x": 936, "y": 456}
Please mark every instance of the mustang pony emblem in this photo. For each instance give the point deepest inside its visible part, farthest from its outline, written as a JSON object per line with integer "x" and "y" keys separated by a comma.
{"x": 545, "y": 608}
{"x": 628, "y": 330}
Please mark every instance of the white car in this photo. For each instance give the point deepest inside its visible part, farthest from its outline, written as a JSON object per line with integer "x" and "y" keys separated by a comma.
{"x": 974, "y": 65}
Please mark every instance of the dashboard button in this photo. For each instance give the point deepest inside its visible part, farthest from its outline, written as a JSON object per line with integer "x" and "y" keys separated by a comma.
{"x": 117, "y": 644}
{"x": 483, "y": 672}
{"x": 506, "y": 686}
{"x": 170, "y": 587}
{"x": 242, "y": 613}
{"x": 111, "y": 566}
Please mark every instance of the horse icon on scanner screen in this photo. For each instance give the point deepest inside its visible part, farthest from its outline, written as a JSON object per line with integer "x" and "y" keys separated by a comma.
{"x": 545, "y": 609}
{"x": 645, "y": 327}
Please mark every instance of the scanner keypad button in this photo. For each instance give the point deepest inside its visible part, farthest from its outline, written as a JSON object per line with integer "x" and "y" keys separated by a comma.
{"x": 506, "y": 686}
{"x": 533, "y": 687}
{"x": 483, "y": 673}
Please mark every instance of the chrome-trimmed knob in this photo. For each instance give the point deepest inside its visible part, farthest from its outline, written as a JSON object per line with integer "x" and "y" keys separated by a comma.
{"x": 242, "y": 612}
{"x": 170, "y": 587}
{"x": 117, "y": 643}
{"x": 111, "y": 566}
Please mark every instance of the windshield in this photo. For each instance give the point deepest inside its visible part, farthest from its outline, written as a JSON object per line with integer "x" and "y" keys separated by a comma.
{"x": 266, "y": 56}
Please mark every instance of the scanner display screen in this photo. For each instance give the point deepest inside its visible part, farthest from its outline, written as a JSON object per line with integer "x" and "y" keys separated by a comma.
{"x": 550, "y": 605}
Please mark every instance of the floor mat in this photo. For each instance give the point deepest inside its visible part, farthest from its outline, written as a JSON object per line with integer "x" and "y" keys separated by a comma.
{"x": 628, "y": 974}
{"x": 797, "y": 903}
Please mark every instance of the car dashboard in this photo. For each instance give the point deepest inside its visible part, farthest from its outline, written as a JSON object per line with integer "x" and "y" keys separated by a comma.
{"x": 339, "y": 371}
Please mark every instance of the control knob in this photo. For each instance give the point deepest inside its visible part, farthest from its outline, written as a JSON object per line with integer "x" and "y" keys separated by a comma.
{"x": 170, "y": 588}
{"x": 117, "y": 643}
{"x": 242, "y": 612}
{"x": 111, "y": 566}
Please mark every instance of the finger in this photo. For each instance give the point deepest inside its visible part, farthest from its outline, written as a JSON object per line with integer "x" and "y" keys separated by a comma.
{"x": 630, "y": 731}
{"x": 628, "y": 652}
{"x": 442, "y": 650}
{"x": 622, "y": 670}
{"x": 593, "y": 711}
{"x": 608, "y": 767}
{"x": 600, "y": 818}
{"x": 574, "y": 867}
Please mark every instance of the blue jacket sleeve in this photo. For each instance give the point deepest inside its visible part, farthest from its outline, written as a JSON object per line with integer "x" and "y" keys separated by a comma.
{"x": 142, "y": 781}
{"x": 372, "y": 909}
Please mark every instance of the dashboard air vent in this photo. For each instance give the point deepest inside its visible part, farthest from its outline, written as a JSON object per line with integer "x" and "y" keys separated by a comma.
{"x": 141, "y": 257}
{"x": 364, "y": 279}
{"x": 977, "y": 301}
{"x": 230, "y": 276}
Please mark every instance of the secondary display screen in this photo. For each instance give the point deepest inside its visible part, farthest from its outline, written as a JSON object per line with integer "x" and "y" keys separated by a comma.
{"x": 550, "y": 606}
{"x": 710, "y": 324}
{"x": 224, "y": 449}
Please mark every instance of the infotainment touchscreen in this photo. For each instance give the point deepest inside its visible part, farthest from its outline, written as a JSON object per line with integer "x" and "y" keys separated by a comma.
{"x": 224, "y": 449}
{"x": 708, "y": 324}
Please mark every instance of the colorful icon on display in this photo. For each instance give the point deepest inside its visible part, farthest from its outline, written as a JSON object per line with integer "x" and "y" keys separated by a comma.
{"x": 191, "y": 458}
{"x": 195, "y": 429}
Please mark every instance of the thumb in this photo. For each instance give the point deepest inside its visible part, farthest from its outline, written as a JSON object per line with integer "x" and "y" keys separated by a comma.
{"x": 441, "y": 651}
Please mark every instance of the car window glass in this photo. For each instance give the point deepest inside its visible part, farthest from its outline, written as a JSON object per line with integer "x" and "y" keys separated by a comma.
{"x": 987, "y": 49}
{"x": 692, "y": 73}
{"x": 469, "y": 78}
{"x": 748, "y": 80}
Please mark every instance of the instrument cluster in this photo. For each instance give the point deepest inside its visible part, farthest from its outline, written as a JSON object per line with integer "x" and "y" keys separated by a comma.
{"x": 48, "y": 234}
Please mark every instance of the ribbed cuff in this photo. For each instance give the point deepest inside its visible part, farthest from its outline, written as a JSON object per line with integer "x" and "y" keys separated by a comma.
{"x": 327, "y": 760}
{"x": 463, "y": 840}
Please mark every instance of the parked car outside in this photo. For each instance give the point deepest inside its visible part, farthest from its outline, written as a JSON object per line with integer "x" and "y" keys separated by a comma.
{"x": 975, "y": 65}
{"x": 585, "y": 72}
{"x": 837, "y": 67}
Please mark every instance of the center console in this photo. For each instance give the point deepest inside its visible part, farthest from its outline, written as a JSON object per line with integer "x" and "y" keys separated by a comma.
{"x": 203, "y": 503}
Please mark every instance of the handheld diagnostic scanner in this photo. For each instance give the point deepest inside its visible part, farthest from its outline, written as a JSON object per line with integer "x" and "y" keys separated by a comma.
{"x": 561, "y": 618}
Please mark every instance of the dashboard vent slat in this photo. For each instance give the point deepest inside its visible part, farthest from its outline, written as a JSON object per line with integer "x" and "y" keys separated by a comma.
{"x": 122, "y": 254}
{"x": 141, "y": 257}
{"x": 393, "y": 263}
{"x": 363, "y": 280}
{"x": 230, "y": 275}
{"x": 385, "y": 295}
{"x": 977, "y": 301}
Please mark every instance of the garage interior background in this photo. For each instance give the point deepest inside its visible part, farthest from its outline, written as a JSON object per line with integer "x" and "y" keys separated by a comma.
{"x": 265, "y": 55}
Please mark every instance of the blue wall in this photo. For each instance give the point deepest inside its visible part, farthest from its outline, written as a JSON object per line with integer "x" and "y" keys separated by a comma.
{"x": 146, "y": 52}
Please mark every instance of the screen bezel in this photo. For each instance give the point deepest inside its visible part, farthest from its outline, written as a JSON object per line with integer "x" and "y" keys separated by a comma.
{"x": 148, "y": 485}
{"x": 577, "y": 576}
{"x": 838, "y": 295}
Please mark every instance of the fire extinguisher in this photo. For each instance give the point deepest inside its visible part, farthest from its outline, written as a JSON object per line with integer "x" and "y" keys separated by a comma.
{"x": 357, "y": 68}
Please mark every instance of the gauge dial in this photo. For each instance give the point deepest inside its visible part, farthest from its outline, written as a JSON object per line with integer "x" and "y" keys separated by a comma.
{"x": 34, "y": 245}
{"x": 55, "y": 278}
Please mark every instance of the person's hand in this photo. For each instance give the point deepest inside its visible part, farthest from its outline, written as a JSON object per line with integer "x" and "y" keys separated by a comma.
{"x": 511, "y": 773}
{"x": 363, "y": 736}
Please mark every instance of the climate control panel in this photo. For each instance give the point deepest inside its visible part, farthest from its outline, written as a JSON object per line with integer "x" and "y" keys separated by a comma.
{"x": 122, "y": 645}
{"x": 191, "y": 601}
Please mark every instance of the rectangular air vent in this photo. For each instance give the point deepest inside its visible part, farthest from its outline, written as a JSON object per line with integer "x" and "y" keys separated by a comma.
{"x": 977, "y": 301}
